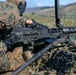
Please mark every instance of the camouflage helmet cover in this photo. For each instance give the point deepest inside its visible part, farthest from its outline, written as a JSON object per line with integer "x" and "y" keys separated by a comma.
{"x": 9, "y": 14}
{"x": 17, "y": 2}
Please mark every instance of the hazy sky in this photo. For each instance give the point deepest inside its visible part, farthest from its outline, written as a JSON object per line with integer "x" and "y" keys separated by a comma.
{"x": 39, "y": 3}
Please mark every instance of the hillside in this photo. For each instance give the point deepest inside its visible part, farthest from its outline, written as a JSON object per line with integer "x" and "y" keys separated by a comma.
{"x": 69, "y": 9}
{"x": 40, "y": 10}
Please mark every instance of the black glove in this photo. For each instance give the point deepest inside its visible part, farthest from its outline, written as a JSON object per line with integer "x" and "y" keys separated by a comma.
{"x": 38, "y": 25}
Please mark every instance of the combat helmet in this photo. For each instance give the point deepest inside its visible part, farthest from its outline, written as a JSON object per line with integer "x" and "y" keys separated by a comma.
{"x": 21, "y": 4}
{"x": 9, "y": 14}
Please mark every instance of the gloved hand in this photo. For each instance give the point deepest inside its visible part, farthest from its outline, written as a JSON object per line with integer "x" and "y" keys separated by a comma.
{"x": 32, "y": 23}
{"x": 3, "y": 48}
{"x": 38, "y": 25}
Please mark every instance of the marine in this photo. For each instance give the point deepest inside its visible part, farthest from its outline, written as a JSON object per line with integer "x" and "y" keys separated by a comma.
{"x": 21, "y": 5}
{"x": 9, "y": 18}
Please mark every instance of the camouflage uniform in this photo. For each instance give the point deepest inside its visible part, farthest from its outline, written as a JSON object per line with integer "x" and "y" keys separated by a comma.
{"x": 4, "y": 63}
{"x": 21, "y": 4}
{"x": 9, "y": 17}
{"x": 9, "y": 14}
{"x": 17, "y": 2}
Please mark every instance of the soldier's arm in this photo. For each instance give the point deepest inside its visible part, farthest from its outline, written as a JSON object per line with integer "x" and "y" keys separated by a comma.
{"x": 26, "y": 22}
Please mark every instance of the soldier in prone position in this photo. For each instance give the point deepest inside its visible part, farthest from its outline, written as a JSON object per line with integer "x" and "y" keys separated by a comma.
{"x": 9, "y": 18}
{"x": 21, "y": 5}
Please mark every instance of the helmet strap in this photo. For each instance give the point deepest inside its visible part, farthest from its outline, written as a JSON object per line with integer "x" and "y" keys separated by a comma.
{"x": 21, "y": 8}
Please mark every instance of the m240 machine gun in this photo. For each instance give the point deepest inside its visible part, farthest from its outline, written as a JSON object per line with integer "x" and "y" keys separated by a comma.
{"x": 38, "y": 33}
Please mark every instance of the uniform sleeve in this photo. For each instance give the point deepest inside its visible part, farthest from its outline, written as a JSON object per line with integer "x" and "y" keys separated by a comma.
{"x": 22, "y": 22}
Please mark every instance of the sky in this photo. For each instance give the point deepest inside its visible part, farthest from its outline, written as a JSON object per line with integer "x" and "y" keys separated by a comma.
{"x": 41, "y": 3}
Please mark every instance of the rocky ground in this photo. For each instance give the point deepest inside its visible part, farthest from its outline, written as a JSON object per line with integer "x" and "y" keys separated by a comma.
{"x": 34, "y": 68}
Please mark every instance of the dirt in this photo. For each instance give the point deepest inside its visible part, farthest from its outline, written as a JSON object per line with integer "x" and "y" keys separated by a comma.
{"x": 28, "y": 71}
{"x": 34, "y": 67}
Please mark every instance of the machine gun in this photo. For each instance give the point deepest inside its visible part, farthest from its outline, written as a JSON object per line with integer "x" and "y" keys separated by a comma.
{"x": 38, "y": 33}
{"x": 52, "y": 36}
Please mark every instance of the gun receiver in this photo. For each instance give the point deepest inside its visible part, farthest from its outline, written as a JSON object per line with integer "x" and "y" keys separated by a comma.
{"x": 68, "y": 30}
{"x": 31, "y": 35}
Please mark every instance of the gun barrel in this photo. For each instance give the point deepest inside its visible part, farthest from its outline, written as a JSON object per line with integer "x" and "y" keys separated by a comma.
{"x": 68, "y": 30}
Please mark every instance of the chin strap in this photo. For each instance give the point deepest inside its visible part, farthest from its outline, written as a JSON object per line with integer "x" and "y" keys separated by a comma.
{"x": 22, "y": 8}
